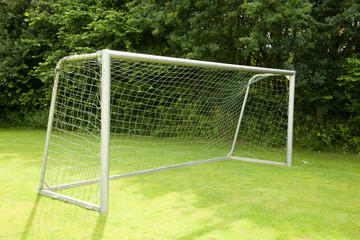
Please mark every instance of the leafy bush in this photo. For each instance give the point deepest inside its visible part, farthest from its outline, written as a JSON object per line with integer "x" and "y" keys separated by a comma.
{"x": 327, "y": 135}
{"x": 34, "y": 119}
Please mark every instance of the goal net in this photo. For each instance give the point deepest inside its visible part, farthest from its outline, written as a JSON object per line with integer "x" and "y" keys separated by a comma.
{"x": 117, "y": 114}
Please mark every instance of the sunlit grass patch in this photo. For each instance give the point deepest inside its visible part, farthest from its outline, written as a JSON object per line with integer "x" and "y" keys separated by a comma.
{"x": 317, "y": 198}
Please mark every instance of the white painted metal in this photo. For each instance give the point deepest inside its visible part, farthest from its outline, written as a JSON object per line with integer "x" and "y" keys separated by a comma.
{"x": 73, "y": 184}
{"x": 125, "y": 175}
{"x": 290, "y": 120}
{"x": 82, "y": 56}
{"x": 168, "y": 168}
{"x": 193, "y": 63}
{"x": 257, "y": 161}
{"x": 239, "y": 122}
{"x": 259, "y": 77}
{"x": 49, "y": 127}
{"x": 252, "y": 80}
{"x": 92, "y": 181}
{"x": 106, "y": 56}
{"x": 105, "y": 131}
{"x": 176, "y": 61}
{"x": 70, "y": 200}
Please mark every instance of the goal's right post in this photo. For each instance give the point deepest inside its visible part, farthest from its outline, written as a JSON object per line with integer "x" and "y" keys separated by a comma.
{"x": 105, "y": 130}
{"x": 290, "y": 120}
{"x": 259, "y": 84}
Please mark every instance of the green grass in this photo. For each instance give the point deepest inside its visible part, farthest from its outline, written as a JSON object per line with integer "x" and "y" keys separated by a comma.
{"x": 317, "y": 198}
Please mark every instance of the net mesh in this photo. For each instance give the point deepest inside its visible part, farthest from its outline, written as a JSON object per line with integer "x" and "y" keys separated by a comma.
{"x": 74, "y": 149}
{"x": 161, "y": 115}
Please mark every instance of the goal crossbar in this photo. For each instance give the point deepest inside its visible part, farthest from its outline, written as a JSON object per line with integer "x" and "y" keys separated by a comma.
{"x": 175, "y": 61}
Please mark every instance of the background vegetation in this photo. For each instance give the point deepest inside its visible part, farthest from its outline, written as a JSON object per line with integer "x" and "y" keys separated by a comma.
{"x": 320, "y": 39}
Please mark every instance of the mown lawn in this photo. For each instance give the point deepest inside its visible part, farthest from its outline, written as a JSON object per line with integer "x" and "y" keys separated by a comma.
{"x": 317, "y": 198}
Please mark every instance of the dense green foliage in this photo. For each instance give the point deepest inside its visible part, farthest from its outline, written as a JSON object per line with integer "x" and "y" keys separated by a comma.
{"x": 318, "y": 38}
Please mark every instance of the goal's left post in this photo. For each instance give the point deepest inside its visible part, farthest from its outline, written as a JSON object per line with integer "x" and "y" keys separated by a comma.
{"x": 49, "y": 127}
{"x": 75, "y": 161}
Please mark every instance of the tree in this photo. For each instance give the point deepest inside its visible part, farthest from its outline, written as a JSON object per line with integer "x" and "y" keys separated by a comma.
{"x": 334, "y": 38}
{"x": 262, "y": 33}
{"x": 36, "y": 34}
{"x": 15, "y": 85}
{"x": 350, "y": 83}
{"x": 65, "y": 27}
{"x": 317, "y": 38}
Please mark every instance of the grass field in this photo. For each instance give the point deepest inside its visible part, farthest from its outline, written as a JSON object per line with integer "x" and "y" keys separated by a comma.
{"x": 317, "y": 198}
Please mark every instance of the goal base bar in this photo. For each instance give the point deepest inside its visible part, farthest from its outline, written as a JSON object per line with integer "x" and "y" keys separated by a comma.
{"x": 258, "y": 161}
{"x": 125, "y": 175}
{"x": 65, "y": 198}
{"x": 50, "y": 192}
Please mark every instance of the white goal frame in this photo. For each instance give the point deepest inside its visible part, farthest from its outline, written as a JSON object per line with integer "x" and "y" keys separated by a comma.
{"x": 106, "y": 57}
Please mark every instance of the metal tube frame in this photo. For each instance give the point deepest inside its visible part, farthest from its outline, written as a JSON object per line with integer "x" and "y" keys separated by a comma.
{"x": 252, "y": 80}
{"x": 49, "y": 127}
{"x": 106, "y": 56}
{"x": 105, "y": 131}
{"x": 290, "y": 120}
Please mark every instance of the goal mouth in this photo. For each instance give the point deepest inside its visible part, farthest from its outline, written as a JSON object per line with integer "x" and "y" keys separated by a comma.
{"x": 116, "y": 114}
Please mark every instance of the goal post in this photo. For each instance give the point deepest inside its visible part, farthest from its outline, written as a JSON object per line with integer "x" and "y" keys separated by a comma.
{"x": 105, "y": 131}
{"x": 117, "y": 114}
{"x": 253, "y": 79}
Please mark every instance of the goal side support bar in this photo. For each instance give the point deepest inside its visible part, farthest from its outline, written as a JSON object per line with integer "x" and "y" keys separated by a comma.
{"x": 252, "y": 80}
{"x": 49, "y": 126}
{"x": 69, "y": 200}
{"x": 52, "y": 109}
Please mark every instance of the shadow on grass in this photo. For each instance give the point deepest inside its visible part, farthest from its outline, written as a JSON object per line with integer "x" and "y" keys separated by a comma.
{"x": 43, "y": 214}
{"x": 29, "y": 221}
{"x": 195, "y": 234}
{"x": 99, "y": 228}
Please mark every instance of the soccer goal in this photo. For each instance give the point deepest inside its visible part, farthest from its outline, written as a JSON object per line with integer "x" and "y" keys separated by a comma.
{"x": 117, "y": 114}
